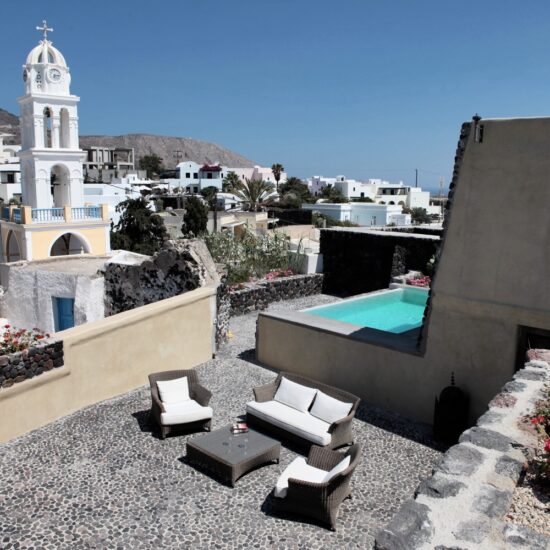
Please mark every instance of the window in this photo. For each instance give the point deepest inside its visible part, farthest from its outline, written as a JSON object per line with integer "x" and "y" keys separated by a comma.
{"x": 362, "y": 195}
{"x": 209, "y": 175}
{"x": 195, "y": 175}
{"x": 187, "y": 175}
{"x": 11, "y": 178}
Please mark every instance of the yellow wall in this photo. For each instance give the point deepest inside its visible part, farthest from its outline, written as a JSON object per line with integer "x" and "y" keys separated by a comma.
{"x": 113, "y": 356}
{"x": 43, "y": 240}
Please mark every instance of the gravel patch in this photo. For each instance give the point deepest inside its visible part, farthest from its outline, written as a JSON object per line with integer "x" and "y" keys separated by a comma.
{"x": 100, "y": 478}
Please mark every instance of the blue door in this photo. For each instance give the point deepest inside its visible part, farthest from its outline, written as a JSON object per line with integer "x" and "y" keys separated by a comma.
{"x": 63, "y": 313}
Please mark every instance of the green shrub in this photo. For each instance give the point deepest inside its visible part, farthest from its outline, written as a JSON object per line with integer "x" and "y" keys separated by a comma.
{"x": 248, "y": 256}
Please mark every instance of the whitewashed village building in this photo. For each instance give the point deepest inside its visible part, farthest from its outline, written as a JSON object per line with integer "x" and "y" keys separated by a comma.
{"x": 10, "y": 171}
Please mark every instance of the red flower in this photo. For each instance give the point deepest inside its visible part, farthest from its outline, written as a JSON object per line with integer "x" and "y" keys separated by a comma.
{"x": 7, "y": 326}
{"x": 538, "y": 420}
{"x": 547, "y": 445}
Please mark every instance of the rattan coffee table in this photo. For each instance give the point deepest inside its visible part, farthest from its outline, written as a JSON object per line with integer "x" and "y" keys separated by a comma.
{"x": 231, "y": 456}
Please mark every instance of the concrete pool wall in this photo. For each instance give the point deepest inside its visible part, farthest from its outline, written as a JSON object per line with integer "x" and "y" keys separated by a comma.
{"x": 492, "y": 279}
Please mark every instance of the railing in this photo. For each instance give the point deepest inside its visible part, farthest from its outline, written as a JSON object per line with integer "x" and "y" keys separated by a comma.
{"x": 47, "y": 215}
{"x": 17, "y": 215}
{"x": 86, "y": 213}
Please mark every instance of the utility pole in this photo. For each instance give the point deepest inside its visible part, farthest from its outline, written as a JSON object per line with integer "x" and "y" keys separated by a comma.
{"x": 416, "y": 177}
{"x": 441, "y": 183}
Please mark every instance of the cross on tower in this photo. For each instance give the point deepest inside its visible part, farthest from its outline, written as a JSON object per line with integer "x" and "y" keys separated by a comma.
{"x": 45, "y": 29}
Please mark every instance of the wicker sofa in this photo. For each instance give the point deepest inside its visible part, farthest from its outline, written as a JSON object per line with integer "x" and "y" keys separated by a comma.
{"x": 299, "y": 426}
{"x": 304, "y": 489}
{"x": 200, "y": 415}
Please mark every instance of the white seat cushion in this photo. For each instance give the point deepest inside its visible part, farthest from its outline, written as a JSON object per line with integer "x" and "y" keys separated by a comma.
{"x": 294, "y": 395}
{"x": 329, "y": 409}
{"x": 340, "y": 467}
{"x": 173, "y": 391}
{"x": 298, "y": 469}
{"x": 299, "y": 423}
{"x": 184, "y": 412}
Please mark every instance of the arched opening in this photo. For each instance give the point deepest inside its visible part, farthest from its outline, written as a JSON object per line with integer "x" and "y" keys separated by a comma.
{"x": 69, "y": 244}
{"x": 64, "y": 129}
{"x": 13, "y": 251}
{"x": 382, "y": 202}
{"x": 47, "y": 127}
{"x": 60, "y": 185}
{"x": 401, "y": 203}
{"x": 391, "y": 202}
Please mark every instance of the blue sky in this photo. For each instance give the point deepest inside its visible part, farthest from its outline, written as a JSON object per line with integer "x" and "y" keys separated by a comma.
{"x": 357, "y": 87}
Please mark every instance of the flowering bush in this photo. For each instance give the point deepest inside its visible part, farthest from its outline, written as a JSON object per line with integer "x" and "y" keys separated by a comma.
{"x": 423, "y": 281}
{"x": 279, "y": 273}
{"x": 248, "y": 256}
{"x": 541, "y": 421}
{"x": 20, "y": 339}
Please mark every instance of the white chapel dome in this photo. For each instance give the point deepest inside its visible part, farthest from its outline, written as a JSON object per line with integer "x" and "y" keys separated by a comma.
{"x": 46, "y": 53}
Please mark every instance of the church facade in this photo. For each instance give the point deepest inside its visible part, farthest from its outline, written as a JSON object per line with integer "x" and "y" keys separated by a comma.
{"x": 53, "y": 219}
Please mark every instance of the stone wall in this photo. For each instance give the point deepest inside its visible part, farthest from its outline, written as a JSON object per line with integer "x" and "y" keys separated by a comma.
{"x": 26, "y": 364}
{"x": 257, "y": 296}
{"x": 463, "y": 504}
{"x": 357, "y": 261}
{"x": 179, "y": 267}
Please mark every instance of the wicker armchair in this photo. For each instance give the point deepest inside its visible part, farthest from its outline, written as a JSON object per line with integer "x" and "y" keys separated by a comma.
{"x": 341, "y": 430}
{"x": 321, "y": 501}
{"x": 196, "y": 392}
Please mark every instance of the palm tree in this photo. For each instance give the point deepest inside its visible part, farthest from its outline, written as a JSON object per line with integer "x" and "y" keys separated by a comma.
{"x": 230, "y": 181}
{"x": 277, "y": 170}
{"x": 252, "y": 192}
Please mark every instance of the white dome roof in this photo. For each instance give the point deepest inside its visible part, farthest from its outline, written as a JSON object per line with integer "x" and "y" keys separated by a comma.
{"x": 46, "y": 53}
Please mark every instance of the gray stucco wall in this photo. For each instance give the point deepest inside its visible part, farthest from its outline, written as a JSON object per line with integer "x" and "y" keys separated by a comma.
{"x": 492, "y": 277}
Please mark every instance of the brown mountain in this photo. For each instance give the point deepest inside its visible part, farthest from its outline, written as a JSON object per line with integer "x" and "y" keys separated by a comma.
{"x": 171, "y": 149}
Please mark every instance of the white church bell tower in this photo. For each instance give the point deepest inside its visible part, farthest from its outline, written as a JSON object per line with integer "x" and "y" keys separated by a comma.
{"x": 51, "y": 159}
{"x": 53, "y": 219}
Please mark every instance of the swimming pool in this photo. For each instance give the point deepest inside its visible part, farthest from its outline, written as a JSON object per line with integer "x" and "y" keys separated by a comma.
{"x": 396, "y": 310}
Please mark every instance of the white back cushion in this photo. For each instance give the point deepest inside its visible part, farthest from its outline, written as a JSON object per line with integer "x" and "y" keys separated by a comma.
{"x": 173, "y": 391}
{"x": 329, "y": 409}
{"x": 340, "y": 467}
{"x": 294, "y": 395}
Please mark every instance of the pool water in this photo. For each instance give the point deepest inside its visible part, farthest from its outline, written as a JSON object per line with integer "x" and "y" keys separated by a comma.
{"x": 396, "y": 310}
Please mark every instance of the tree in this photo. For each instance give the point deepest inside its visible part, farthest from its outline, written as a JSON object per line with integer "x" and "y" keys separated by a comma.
{"x": 331, "y": 194}
{"x": 230, "y": 181}
{"x": 293, "y": 193}
{"x": 152, "y": 164}
{"x": 277, "y": 170}
{"x": 420, "y": 215}
{"x": 138, "y": 230}
{"x": 195, "y": 218}
{"x": 253, "y": 192}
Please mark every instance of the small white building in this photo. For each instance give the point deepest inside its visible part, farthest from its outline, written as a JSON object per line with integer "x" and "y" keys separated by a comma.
{"x": 10, "y": 171}
{"x": 362, "y": 213}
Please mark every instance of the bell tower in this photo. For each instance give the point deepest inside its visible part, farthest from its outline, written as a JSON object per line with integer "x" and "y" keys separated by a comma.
{"x": 51, "y": 159}
{"x": 53, "y": 219}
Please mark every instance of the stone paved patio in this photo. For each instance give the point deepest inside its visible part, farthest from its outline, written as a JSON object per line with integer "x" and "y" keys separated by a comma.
{"x": 100, "y": 479}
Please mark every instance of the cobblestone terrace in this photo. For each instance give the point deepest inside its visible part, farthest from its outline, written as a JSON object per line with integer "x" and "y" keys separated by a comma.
{"x": 100, "y": 479}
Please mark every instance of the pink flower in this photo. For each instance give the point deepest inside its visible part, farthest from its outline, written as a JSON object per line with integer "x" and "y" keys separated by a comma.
{"x": 547, "y": 445}
{"x": 7, "y": 326}
{"x": 538, "y": 420}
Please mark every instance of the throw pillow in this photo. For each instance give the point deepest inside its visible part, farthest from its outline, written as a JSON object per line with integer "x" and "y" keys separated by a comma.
{"x": 329, "y": 409}
{"x": 294, "y": 395}
{"x": 173, "y": 391}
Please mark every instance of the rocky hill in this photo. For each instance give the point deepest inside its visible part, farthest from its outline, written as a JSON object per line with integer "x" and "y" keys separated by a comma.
{"x": 171, "y": 149}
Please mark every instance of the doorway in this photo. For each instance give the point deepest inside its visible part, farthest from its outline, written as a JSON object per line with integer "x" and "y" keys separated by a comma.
{"x": 63, "y": 313}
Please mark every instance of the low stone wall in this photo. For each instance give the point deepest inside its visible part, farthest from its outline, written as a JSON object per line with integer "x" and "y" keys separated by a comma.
{"x": 463, "y": 504}
{"x": 22, "y": 365}
{"x": 257, "y": 296}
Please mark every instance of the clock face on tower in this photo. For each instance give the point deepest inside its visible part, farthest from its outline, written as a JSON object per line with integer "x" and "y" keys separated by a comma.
{"x": 54, "y": 75}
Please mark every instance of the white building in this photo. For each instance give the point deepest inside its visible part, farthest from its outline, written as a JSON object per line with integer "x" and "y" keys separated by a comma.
{"x": 10, "y": 171}
{"x": 194, "y": 177}
{"x": 362, "y": 213}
